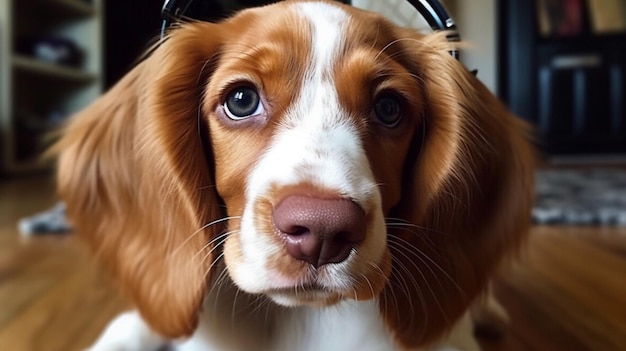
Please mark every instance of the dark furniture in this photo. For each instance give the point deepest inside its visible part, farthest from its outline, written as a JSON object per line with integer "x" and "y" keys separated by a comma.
{"x": 132, "y": 26}
{"x": 572, "y": 88}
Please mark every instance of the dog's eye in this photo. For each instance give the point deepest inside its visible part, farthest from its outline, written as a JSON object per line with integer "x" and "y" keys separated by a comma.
{"x": 388, "y": 110}
{"x": 243, "y": 102}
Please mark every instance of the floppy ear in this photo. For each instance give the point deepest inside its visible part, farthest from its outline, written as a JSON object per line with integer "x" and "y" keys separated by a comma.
{"x": 468, "y": 193}
{"x": 139, "y": 186}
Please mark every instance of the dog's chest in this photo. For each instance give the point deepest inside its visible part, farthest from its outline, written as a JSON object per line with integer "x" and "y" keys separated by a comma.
{"x": 348, "y": 326}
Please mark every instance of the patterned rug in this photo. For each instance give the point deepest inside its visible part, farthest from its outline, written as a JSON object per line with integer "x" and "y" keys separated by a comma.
{"x": 584, "y": 197}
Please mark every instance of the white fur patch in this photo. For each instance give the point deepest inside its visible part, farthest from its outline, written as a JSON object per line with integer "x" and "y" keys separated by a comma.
{"x": 347, "y": 326}
{"x": 128, "y": 332}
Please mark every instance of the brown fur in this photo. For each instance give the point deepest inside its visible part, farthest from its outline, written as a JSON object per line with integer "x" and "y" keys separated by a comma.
{"x": 137, "y": 183}
{"x": 468, "y": 192}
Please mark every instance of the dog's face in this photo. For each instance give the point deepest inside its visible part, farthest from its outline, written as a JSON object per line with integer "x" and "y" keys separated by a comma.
{"x": 305, "y": 123}
{"x": 350, "y": 159}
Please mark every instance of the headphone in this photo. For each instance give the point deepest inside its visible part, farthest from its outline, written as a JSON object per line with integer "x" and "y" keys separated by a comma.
{"x": 432, "y": 11}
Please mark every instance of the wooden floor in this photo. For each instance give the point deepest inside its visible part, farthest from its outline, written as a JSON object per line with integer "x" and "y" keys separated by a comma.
{"x": 568, "y": 294}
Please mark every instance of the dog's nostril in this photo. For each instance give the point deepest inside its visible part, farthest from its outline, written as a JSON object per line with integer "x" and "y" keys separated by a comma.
{"x": 319, "y": 231}
{"x": 343, "y": 237}
{"x": 297, "y": 231}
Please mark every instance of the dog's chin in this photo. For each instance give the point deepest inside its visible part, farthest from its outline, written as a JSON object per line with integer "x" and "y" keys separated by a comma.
{"x": 296, "y": 298}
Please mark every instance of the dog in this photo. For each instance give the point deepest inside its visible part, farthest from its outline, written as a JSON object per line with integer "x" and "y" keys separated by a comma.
{"x": 301, "y": 176}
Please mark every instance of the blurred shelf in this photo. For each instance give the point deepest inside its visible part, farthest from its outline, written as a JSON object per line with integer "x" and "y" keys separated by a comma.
{"x": 76, "y": 7}
{"x": 29, "y": 64}
{"x": 34, "y": 86}
{"x": 29, "y": 166}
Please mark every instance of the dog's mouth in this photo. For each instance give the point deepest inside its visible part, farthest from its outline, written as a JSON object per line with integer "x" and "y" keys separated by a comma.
{"x": 311, "y": 294}
{"x": 311, "y": 290}
{"x": 322, "y": 287}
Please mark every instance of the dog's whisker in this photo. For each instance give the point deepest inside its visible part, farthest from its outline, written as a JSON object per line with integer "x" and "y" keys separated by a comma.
{"x": 207, "y": 187}
{"x": 422, "y": 235}
{"x": 233, "y": 310}
{"x": 422, "y": 43}
{"x": 221, "y": 282}
{"x": 420, "y": 255}
{"x": 401, "y": 245}
{"x": 419, "y": 232}
{"x": 423, "y": 276}
{"x": 369, "y": 284}
{"x": 217, "y": 241}
{"x": 208, "y": 254}
{"x": 258, "y": 303}
{"x": 218, "y": 283}
{"x": 377, "y": 268}
{"x": 390, "y": 44}
{"x": 215, "y": 260}
{"x": 223, "y": 277}
{"x": 404, "y": 286}
{"x": 215, "y": 222}
{"x": 408, "y": 294}
{"x": 212, "y": 265}
{"x": 399, "y": 223}
{"x": 393, "y": 298}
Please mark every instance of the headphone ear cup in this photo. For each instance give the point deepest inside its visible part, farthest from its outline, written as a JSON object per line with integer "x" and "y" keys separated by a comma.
{"x": 438, "y": 19}
{"x": 434, "y": 13}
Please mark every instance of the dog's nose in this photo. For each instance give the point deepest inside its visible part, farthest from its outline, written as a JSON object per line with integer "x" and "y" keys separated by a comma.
{"x": 319, "y": 231}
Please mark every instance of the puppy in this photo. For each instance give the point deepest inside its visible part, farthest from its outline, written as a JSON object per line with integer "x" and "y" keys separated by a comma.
{"x": 302, "y": 176}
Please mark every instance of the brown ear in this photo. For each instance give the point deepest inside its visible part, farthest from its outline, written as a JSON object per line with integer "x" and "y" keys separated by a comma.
{"x": 468, "y": 193}
{"x": 139, "y": 186}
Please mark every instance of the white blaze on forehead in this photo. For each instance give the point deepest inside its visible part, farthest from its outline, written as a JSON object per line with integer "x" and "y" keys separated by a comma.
{"x": 328, "y": 27}
{"x": 318, "y": 101}
{"x": 317, "y": 141}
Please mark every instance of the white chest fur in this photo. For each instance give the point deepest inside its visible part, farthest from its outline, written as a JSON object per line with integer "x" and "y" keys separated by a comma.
{"x": 351, "y": 325}
{"x": 235, "y": 322}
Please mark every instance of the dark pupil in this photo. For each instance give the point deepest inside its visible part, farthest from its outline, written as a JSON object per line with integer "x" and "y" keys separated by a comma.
{"x": 388, "y": 110}
{"x": 242, "y": 102}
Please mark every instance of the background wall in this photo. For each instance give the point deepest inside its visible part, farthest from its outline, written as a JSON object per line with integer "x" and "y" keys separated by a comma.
{"x": 399, "y": 11}
{"x": 476, "y": 20}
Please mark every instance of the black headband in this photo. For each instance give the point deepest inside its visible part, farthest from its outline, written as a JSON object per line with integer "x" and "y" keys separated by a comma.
{"x": 432, "y": 11}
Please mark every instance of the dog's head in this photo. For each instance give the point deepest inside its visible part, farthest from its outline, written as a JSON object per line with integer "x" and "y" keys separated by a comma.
{"x": 320, "y": 151}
